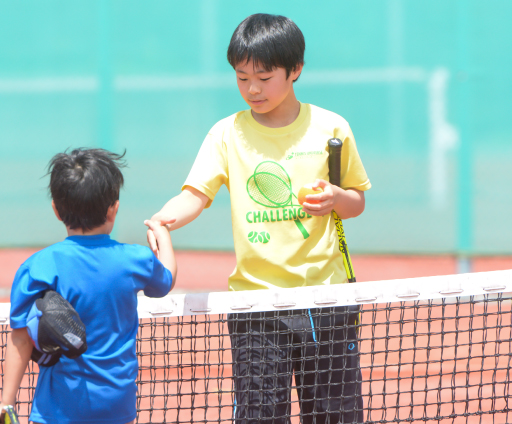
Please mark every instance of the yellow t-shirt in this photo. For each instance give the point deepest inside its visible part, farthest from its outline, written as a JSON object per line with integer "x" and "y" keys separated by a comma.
{"x": 276, "y": 243}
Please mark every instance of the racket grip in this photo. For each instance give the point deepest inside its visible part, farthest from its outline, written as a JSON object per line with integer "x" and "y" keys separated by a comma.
{"x": 335, "y": 145}
{"x": 9, "y": 415}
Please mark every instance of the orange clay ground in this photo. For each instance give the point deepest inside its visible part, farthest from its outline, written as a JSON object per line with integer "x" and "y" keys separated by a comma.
{"x": 215, "y": 267}
{"x": 397, "y": 382}
{"x": 388, "y": 364}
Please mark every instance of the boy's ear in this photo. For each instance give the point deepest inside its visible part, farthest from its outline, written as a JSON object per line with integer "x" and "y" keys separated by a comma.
{"x": 112, "y": 211}
{"x": 296, "y": 72}
{"x": 55, "y": 211}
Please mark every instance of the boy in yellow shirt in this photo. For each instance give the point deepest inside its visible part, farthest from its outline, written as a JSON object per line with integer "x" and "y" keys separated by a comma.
{"x": 264, "y": 155}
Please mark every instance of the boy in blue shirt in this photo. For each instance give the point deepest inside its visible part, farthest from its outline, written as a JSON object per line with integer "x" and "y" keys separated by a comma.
{"x": 100, "y": 278}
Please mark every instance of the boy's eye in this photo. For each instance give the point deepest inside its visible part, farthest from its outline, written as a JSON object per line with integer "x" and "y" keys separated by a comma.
{"x": 265, "y": 79}
{"x": 242, "y": 79}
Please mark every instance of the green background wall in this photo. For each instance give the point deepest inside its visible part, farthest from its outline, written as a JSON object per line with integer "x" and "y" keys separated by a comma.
{"x": 426, "y": 86}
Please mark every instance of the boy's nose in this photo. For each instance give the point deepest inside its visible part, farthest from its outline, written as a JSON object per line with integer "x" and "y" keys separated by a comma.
{"x": 254, "y": 89}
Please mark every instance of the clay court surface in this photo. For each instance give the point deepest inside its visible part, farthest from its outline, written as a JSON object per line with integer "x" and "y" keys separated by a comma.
{"x": 395, "y": 344}
{"x": 208, "y": 271}
{"x": 397, "y": 385}
{"x": 186, "y": 366}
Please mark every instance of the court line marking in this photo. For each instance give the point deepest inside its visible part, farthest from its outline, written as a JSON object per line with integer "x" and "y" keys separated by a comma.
{"x": 443, "y": 135}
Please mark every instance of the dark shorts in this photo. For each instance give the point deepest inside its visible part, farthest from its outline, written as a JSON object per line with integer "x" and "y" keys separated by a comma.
{"x": 318, "y": 346}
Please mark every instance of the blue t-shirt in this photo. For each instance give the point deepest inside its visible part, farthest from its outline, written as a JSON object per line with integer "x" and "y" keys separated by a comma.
{"x": 100, "y": 278}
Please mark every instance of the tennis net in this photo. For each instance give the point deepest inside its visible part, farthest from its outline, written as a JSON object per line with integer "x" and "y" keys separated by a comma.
{"x": 434, "y": 349}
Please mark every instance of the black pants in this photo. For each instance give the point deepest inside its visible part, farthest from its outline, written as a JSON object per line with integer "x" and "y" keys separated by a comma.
{"x": 318, "y": 346}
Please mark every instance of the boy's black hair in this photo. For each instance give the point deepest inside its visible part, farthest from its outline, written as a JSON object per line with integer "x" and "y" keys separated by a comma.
{"x": 270, "y": 41}
{"x": 84, "y": 184}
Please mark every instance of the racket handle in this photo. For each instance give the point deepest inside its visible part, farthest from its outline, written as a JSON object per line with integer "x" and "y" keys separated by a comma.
{"x": 335, "y": 145}
{"x": 9, "y": 415}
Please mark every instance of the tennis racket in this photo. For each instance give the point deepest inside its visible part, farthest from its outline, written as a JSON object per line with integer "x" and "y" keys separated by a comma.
{"x": 335, "y": 145}
{"x": 9, "y": 416}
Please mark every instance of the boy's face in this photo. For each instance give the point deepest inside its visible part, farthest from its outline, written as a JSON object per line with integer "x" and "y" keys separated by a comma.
{"x": 265, "y": 91}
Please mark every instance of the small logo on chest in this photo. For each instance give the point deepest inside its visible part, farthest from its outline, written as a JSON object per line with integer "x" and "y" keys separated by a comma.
{"x": 304, "y": 155}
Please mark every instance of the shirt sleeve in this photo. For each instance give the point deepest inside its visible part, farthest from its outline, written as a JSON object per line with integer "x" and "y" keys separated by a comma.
{"x": 159, "y": 280}
{"x": 353, "y": 174}
{"x": 210, "y": 169}
{"x": 24, "y": 292}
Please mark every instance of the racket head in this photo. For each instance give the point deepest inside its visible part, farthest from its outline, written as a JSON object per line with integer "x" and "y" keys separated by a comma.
{"x": 335, "y": 145}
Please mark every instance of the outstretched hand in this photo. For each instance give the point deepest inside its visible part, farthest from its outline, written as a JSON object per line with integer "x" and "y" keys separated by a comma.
{"x": 159, "y": 232}
{"x": 156, "y": 227}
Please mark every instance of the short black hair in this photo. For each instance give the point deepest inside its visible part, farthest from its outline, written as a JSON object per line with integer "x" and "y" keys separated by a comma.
{"x": 270, "y": 41}
{"x": 84, "y": 184}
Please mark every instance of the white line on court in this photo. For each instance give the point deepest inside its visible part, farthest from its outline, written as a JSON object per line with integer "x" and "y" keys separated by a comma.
{"x": 191, "y": 82}
{"x": 48, "y": 85}
{"x": 443, "y": 136}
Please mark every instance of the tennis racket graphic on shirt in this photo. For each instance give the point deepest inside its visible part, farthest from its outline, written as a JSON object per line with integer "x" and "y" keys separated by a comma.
{"x": 270, "y": 186}
{"x": 9, "y": 415}
{"x": 335, "y": 145}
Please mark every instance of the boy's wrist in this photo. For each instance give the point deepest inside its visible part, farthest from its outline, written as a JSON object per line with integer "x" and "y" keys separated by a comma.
{"x": 337, "y": 196}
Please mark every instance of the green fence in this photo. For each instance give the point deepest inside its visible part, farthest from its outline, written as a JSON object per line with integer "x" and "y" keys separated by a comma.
{"x": 426, "y": 86}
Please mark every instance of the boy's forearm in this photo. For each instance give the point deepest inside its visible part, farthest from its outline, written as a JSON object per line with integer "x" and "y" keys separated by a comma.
{"x": 166, "y": 254}
{"x": 185, "y": 207}
{"x": 349, "y": 203}
{"x": 161, "y": 239}
{"x": 17, "y": 356}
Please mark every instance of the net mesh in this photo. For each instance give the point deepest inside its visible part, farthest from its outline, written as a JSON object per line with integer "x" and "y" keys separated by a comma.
{"x": 443, "y": 358}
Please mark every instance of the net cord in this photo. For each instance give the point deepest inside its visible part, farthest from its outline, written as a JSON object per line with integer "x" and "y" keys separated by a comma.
{"x": 436, "y": 288}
